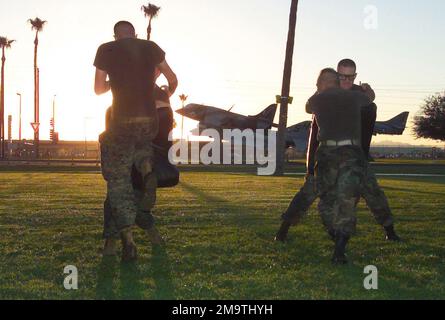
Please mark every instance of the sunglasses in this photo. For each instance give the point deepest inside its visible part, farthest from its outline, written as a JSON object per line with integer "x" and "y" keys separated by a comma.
{"x": 350, "y": 77}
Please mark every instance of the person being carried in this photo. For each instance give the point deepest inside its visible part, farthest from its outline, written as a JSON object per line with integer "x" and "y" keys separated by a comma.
{"x": 340, "y": 162}
{"x": 372, "y": 193}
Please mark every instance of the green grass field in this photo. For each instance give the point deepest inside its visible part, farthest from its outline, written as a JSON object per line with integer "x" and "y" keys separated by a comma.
{"x": 219, "y": 228}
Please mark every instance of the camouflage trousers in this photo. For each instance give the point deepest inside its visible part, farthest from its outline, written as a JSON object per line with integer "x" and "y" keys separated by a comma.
{"x": 127, "y": 166}
{"x": 339, "y": 174}
{"x": 370, "y": 191}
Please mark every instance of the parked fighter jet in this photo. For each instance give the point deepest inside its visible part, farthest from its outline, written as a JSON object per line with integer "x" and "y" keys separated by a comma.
{"x": 215, "y": 118}
{"x": 297, "y": 135}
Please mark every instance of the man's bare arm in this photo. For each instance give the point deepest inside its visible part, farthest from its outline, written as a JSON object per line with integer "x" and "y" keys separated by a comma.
{"x": 170, "y": 76}
{"x": 101, "y": 85}
{"x": 368, "y": 90}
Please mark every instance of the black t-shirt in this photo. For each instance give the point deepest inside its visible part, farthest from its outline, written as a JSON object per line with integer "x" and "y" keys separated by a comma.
{"x": 368, "y": 121}
{"x": 130, "y": 65}
{"x": 338, "y": 113}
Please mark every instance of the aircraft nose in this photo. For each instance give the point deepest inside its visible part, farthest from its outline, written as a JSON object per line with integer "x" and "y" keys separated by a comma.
{"x": 181, "y": 111}
{"x": 189, "y": 110}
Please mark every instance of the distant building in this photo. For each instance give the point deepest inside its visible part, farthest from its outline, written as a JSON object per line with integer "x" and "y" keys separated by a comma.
{"x": 48, "y": 150}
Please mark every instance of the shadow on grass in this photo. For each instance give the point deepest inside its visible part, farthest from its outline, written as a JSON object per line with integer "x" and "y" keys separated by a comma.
{"x": 420, "y": 179}
{"x": 231, "y": 211}
{"x": 416, "y": 191}
{"x": 239, "y": 215}
{"x": 210, "y": 200}
{"x": 131, "y": 286}
{"x": 106, "y": 272}
{"x": 162, "y": 274}
{"x": 219, "y": 204}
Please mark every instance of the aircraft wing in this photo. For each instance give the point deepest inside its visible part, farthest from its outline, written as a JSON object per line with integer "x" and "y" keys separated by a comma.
{"x": 220, "y": 119}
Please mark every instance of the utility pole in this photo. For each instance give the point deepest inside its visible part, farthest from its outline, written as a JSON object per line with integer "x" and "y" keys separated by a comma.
{"x": 9, "y": 129}
{"x": 53, "y": 135}
{"x": 183, "y": 98}
{"x": 285, "y": 99}
{"x": 36, "y": 126}
{"x": 2, "y": 107}
{"x": 54, "y": 113}
{"x": 9, "y": 145}
{"x": 20, "y": 116}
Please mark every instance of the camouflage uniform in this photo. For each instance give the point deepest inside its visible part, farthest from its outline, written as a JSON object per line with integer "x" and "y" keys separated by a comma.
{"x": 144, "y": 190}
{"x": 372, "y": 193}
{"x": 375, "y": 198}
{"x": 340, "y": 173}
{"x": 126, "y": 150}
{"x": 145, "y": 196}
{"x": 302, "y": 201}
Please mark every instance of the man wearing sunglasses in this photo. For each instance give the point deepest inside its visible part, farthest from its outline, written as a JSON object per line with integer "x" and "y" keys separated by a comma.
{"x": 372, "y": 193}
{"x": 347, "y": 73}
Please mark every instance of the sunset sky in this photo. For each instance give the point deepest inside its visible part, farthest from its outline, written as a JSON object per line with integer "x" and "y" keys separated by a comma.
{"x": 225, "y": 53}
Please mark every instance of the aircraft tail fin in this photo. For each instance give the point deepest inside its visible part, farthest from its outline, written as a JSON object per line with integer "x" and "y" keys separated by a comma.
{"x": 394, "y": 126}
{"x": 268, "y": 114}
{"x": 399, "y": 120}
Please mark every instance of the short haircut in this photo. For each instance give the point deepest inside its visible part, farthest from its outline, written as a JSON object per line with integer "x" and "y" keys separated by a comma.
{"x": 347, "y": 63}
{"x": 124, "y": 25}
{"x": 329, "y": 74}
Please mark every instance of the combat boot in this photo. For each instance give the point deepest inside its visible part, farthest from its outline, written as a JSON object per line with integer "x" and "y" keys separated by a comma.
{"x": 109, "y": 247}
{"x": 339, "y": 257}
{"x": 129, "y": 252}
{"x": 282, "y": 232}
{"x": 154, "y": 236}
{"x": 391, "y": 234}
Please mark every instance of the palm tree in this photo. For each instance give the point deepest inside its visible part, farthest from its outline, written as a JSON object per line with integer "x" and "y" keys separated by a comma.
{"x": 37, "y": 25}
{"x": 183, "y": 98}
{"x": 5, "y": 43}
{"x": 285, "y": 99}
{"x": 151, "y": 11}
